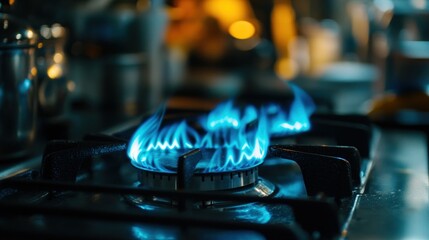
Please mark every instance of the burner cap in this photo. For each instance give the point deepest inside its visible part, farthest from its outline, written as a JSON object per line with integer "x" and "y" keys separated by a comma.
{"x": 200, "y": 181}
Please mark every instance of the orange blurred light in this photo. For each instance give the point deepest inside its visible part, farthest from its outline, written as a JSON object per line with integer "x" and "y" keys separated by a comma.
{"x": 242, "y": 30}
{"x": 55, "y": 71}
{"x": 34, "y": 71}
{"x": 228, "y": 11}
{"x": 283, "y": 26}
{"x": 71, "y": 86}
{"x": 286, "y": 68}
{"x": 58, "y": 57}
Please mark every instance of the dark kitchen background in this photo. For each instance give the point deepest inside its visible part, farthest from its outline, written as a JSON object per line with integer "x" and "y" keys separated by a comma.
{"x": 101, "y": 65}
{"x": 126, "y": 57}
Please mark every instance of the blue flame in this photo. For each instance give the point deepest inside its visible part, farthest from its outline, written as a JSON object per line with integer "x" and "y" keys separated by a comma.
{"x": 296, "y": 119}
{"x": 231, "y": 137}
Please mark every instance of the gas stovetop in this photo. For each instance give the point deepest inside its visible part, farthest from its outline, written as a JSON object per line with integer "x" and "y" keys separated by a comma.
{"x": 308, "y": 186}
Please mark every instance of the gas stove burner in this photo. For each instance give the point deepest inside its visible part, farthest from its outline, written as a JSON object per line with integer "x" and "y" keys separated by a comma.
{"x": 245, "y": 181}
{"x": 173, "y": 169}
{"x": 234, "y": 135}
{"x": 259, "y": 188}
{"x": 200, "y": 181}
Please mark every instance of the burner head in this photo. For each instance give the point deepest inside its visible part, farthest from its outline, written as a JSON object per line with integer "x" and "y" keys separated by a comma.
{"x": 188, "y": 174}
{"x": 242, "y": 182}
{"x": 200, "y": 181}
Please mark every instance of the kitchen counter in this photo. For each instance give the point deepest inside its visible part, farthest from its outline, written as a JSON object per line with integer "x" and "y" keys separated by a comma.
{"x": 395, "y": 204}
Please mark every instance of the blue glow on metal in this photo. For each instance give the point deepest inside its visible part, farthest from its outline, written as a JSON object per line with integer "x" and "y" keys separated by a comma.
{"x": 291, "y": 185}
{"x": 146, "y": 207}
{"x": 293, "y": 189}
{"x": 153, "y": 232}
{"x": 253, "y": 213}
{"x": 25, "y": 86}
{"x": 239, "y": 136}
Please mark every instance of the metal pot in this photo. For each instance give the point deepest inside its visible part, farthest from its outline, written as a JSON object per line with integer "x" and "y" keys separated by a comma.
{"x": 17, "y": 87}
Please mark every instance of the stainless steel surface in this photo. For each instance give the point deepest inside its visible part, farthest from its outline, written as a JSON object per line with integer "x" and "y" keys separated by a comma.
{"x": 17, "y": 87}
{"x": 200, "y": 181}
{"x": 395, "y": 204}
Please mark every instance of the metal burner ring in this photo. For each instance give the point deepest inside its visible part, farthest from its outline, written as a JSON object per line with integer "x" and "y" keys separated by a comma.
{"x": 200, "y": 181}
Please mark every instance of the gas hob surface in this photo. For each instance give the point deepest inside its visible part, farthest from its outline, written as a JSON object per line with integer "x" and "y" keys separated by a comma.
{"x": 105, "y": 199}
